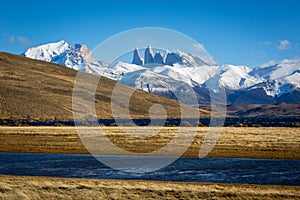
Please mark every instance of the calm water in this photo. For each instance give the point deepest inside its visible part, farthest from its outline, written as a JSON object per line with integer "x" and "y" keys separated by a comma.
{"x": 225, "y": 170}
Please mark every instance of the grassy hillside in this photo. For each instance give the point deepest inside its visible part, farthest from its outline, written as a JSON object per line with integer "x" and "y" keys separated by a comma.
{"x": 44, "y": 90}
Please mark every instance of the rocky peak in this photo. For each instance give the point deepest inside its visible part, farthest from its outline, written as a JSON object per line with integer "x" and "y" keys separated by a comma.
{"x": 169, "y": 58}
{"x": 149, "y": 57}
{"x": 86, "y": 53}
{"x": 137, "y": 58}
{"x": 158, "y": 58}
{"x": 173, "y": 58}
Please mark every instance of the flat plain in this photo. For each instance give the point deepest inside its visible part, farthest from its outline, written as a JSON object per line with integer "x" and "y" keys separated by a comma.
{"x": 234, "y": 142}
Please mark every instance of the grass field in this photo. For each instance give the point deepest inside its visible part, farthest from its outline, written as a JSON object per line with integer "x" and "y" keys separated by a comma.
{"x": 18, "y": 187}
{"x": 246, "y": 142}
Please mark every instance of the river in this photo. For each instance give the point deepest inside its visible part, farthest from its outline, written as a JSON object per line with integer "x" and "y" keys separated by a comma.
{"x": 222, "y": 170}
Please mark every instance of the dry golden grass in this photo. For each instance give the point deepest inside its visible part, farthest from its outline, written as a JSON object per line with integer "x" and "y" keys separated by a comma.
{"x": 44, "y": 90}
{"x": 272, "y": 143}
{"x": 16, "y": 187}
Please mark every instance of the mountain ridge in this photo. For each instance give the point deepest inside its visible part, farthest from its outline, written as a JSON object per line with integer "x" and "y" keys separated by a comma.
{"x": 160, "y": 74}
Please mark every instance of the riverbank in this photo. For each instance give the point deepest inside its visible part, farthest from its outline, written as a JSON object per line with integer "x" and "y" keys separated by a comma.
{"x": 30, "y": 187}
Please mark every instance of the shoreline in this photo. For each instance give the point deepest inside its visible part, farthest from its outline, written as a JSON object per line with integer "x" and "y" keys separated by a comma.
{"x": 229, "y": 121}
{"x": 119, "y": 155}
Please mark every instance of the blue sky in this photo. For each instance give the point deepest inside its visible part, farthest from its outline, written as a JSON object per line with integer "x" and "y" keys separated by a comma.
{"x": 249, "y": 32}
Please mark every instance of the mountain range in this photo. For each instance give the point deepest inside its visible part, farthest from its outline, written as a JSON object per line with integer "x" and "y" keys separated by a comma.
{"x": 165, "y": 73}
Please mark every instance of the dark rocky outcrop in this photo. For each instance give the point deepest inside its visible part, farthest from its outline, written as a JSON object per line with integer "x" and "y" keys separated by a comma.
{"x": 137, "y": 58}
{"x": 173, "y": 58}
{"x": 158, "y": 58}
{"x": 149, "y": 57}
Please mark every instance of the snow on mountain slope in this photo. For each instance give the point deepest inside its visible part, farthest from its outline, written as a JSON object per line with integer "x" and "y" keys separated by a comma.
{"x": 94, "y": 67}
{"x": 199, "y": 74}
{"x": 277, "y": 71}
{"x": 160, "y": 84}
{"x": 47, "y": 51}
{"x": 192, "y": 60}
{"x": 150, "y": 78}
{"x": 278, "y": 79}
{"x": 148, "y": 81}
{"x": 271, "y": 87}
{"x": 118, "y": 70}
{"x": 169, "y": 71}
{"x": 236, "y": 77}
{"x": 293, "y": 79}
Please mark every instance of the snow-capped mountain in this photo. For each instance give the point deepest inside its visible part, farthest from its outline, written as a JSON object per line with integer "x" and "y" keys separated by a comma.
{"x": 276, "y": 83}
{"x": 47, "y": 52}
{"x": 77, "y": 57}
{"x": 165, "y": 73}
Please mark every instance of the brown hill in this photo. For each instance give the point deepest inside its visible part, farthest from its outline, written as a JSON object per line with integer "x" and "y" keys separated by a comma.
{"x": 251, "y": 110}
{"x": 44, "y": 90}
